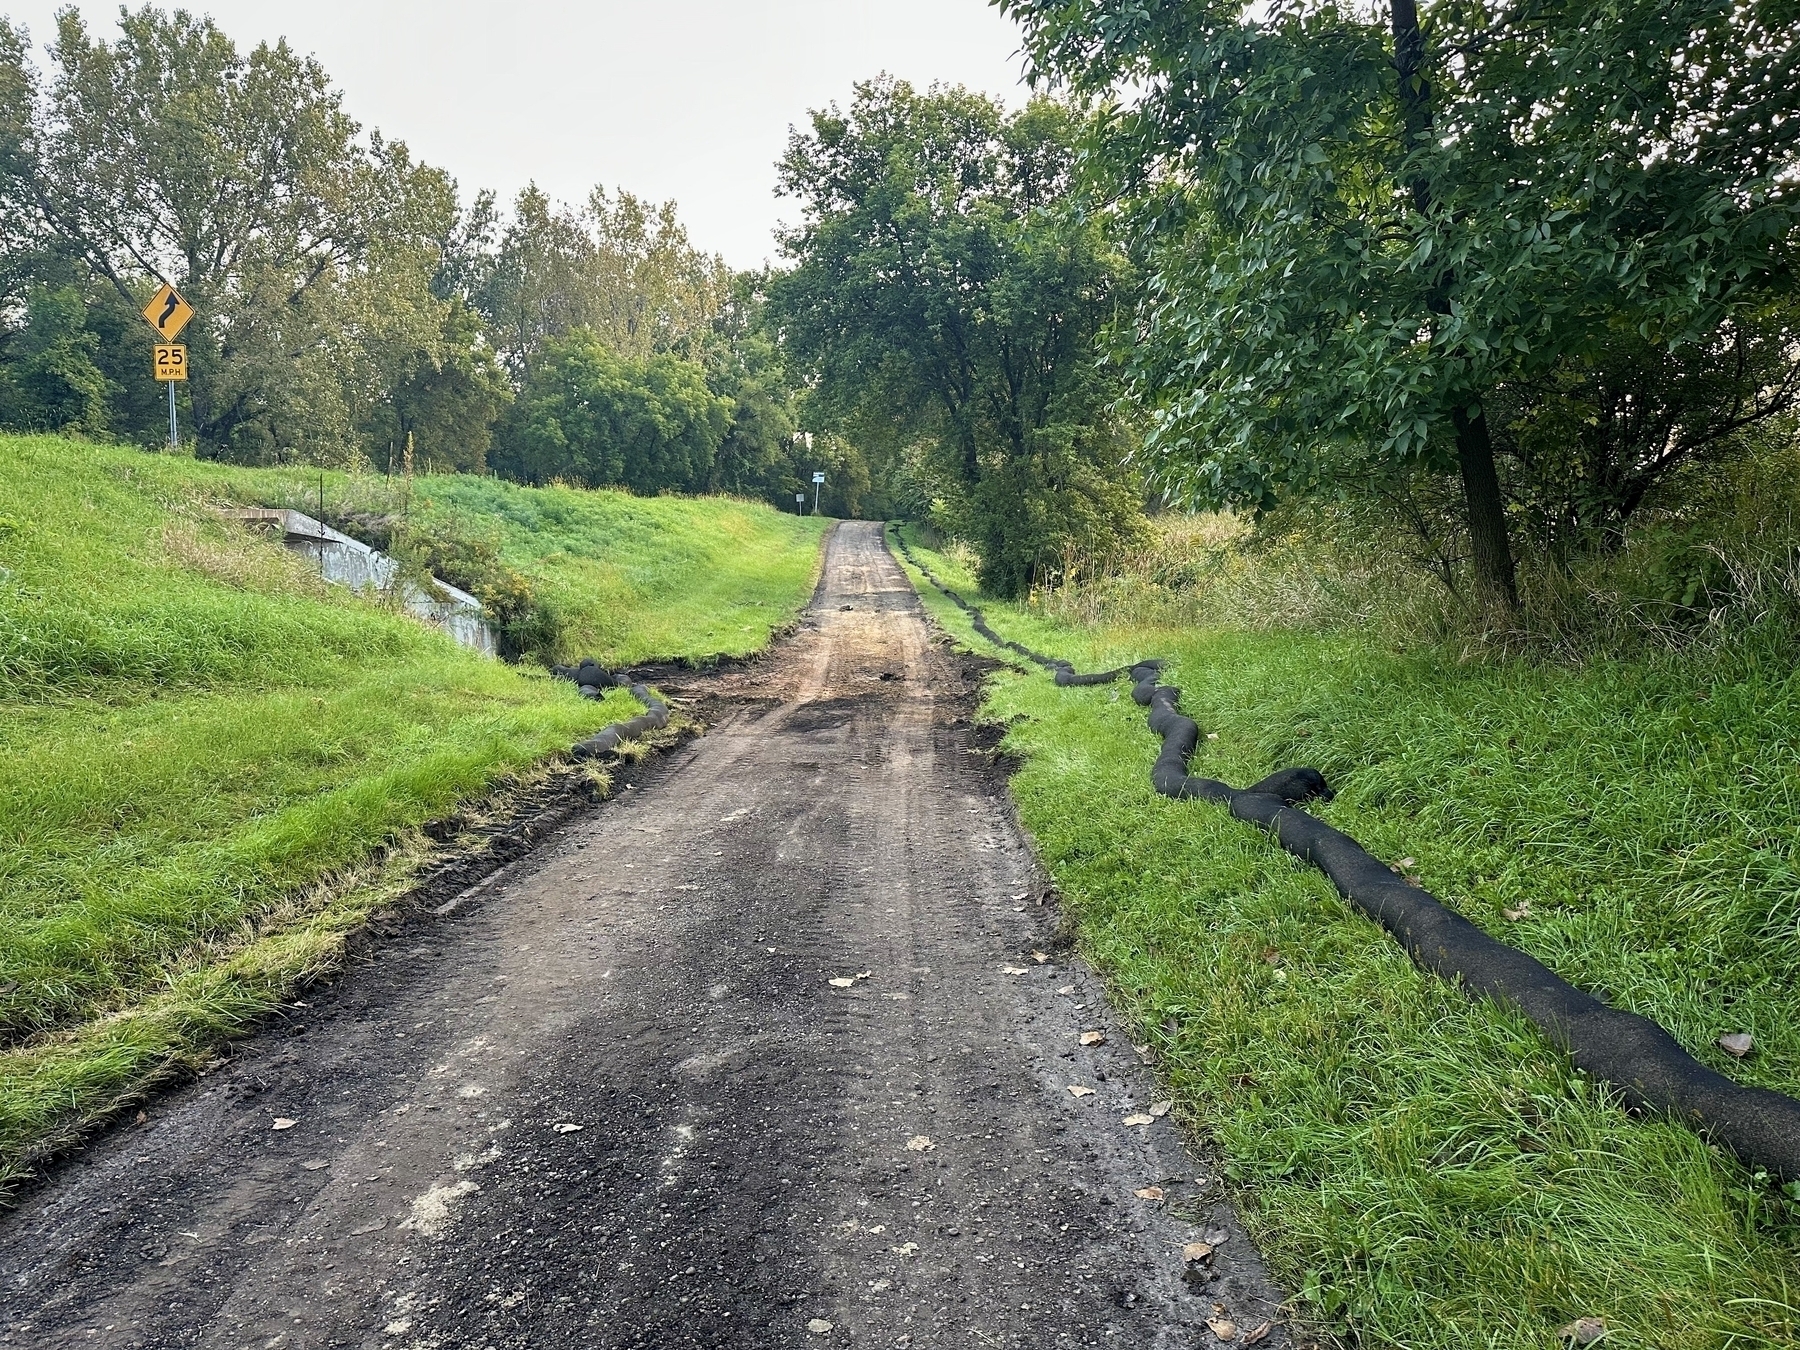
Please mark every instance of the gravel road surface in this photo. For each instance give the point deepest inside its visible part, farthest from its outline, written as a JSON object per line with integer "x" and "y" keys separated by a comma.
{"x": 776, "y": 1048}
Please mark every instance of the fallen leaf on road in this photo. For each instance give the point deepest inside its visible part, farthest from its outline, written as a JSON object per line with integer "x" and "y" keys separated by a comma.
{"x": 1583, "y": 1331}
{"x": 1215, "y": 1237}
{"x": 1222, "y": 1327}
{"x": 283, "y": 1123}
{"x": 1066, "y": 989}
{"x": 1161, "y": 1109}
{"x": 1093, "y": 1038}
{"x": 819, "y": 1326}
{"x": 1014, "y": 970}
{"x": 566, "y": 1128}
{"x": 879, "y": 1285}
{"x": 845, "y": 981}
{"x": 919, "y": 1144}
{"x": 315, "y": 1166}
{"x": 1139, "y": 1118}
{"x": 1737, "y": 1044}
{"x": 1252, "y": 1337}
{"x": 1149, "y": 1193}
{"x": 1040, "y": 957}
{"x": 368, "y": 1228}
{"x": 1197, "y": 1251}
{"x": 1076, "y": 1090}
{"x": 905, "y": 1249}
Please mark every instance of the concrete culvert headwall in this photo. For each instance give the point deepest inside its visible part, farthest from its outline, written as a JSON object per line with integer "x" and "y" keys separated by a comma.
{"x": 349, "y": 562}
{"x": 1638, "y": 1057}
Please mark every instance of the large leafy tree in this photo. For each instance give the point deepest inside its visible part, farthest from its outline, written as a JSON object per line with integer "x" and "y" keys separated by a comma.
{"x": 446, "y": 404}
{"x": 1358, "y": 227}
{"x": 49, "y": 377}
{"x": 308, "y": 250}
{"x": 946, "y": 297}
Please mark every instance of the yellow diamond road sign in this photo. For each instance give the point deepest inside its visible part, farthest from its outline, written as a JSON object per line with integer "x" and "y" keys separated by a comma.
{"x": 167, "y": 312}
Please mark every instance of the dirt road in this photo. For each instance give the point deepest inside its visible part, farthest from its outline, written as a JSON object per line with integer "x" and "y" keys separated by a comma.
{"x": 757, "y": 1054}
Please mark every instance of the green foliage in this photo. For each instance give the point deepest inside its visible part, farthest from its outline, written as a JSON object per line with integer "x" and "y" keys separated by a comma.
{"x": 1029, "y": 518}
{"x": 1598, "y": 438}
{"x": 51, "y": 379}
{"x": 1423, "y": 1168}
{"x": 621, "y": 269}
{"x": 447, "y": 402}
{"x": 591, "y": 416}
{"x": 626, "y": 579}
{"x": 1347, "y": 262}
{"x": 351, "y": 310}
{"x": 195, "y": 729}
{"x": 307, "y": 250}
{"x": 947, "y": 294}
{"x": 454, "y": 549}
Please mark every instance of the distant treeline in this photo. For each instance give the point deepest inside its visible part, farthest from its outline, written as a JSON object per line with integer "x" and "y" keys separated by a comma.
{"x": 349, "y": 299}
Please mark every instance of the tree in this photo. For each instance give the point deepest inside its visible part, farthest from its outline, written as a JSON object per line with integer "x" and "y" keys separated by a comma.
{"x": 1589, "y": 442}
{"x": 620, "y": 268}
{"x": 946, "y": 297}
{"x": 308, "y": 252}
{"x": 448, "y": 401}
{"x": 1357, "y": 231}
{"x": 589, "y": 415}
{"x": 50, "y": 378}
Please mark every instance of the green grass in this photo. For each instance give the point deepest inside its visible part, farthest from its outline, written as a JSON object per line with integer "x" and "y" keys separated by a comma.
{"x": 205, "y": 751}
{"x": 646, "y": 578}
{"x": 634, "y": 579}
{"x": 1424, "y": 1169}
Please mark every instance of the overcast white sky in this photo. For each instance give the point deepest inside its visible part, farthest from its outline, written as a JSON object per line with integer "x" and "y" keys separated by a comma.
{"x": 689, "y": 99}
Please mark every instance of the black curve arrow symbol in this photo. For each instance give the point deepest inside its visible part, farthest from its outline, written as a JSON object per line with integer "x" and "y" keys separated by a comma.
{"x": 168, "y": 309}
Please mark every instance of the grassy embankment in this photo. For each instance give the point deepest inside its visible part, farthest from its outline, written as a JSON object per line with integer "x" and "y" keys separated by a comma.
{"x": 204, "y": 750}
{"x": 632, "y": 579}
{"x": 1426, "y": 1171}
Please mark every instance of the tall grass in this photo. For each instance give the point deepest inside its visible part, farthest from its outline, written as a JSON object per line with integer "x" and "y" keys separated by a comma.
{"x": 1426, "y": 1170}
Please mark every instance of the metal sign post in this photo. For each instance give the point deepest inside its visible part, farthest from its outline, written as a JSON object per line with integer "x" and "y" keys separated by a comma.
{"x": 168, "y": 314}
{"x": 818, "y": 481}
{"x": 169, "y": 365}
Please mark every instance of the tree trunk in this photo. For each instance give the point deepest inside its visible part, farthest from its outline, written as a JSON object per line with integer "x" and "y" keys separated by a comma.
{"x": 1488, "y": 545}
{"x": 1490, "y": 549}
